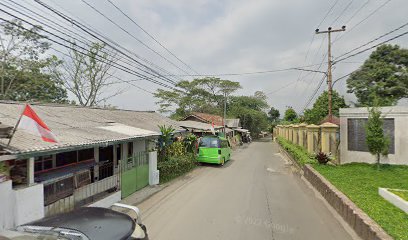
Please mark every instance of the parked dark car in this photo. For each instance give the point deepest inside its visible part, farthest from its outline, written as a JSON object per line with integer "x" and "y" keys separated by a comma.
{"x": 87, "y": 223}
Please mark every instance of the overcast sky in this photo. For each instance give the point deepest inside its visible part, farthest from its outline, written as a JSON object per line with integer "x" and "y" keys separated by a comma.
{"x": 234, "y": 36}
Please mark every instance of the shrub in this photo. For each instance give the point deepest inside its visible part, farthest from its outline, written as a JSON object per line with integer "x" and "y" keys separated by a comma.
{"x": 175, "y": 166}
{"x": 300, "y": 155}
{"x": 176, "y": 149}
{"x": 322, "y": 158}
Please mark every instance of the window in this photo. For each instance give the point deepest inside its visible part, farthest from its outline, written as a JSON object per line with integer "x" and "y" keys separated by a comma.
{"x": 66, "y": 158}
{"x": 356, "y": 135}
{"x": 85, "y": 154}
{"x": 42, "y": 163}
{"x": 210, "y": 142}
{"x": 224, "y": 144}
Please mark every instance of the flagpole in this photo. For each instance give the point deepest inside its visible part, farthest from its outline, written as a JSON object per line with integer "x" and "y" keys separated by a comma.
{"x": 15, "y": 127}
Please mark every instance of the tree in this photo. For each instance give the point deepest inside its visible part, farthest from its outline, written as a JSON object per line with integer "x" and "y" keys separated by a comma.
{"x": 290, "y": 115}
{"x": 320, "y": 108}
{"x": 25, "y": 68}
{"x": 200, "y": 95}
{"x": 88, "y": 76}
{"x": 273, "y": 114}
{"x": 376, "y": 140}
{"x": 384, "y": 75}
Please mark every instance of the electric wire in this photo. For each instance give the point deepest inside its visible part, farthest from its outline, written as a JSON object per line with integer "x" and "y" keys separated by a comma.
{"x": 152, "y": 37}
{"x": 133, "y": 36}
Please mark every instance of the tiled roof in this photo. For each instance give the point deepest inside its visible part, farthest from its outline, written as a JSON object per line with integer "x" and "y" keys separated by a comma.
{"x": 209, "y": 118}
{"x": 75, "y": 126}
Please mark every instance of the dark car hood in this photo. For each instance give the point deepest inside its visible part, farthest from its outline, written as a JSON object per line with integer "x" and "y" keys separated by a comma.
{"x": 96, "y": 223}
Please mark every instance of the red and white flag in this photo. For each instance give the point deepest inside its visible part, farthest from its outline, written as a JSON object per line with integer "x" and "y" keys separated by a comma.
{"x": 31, "y": 123}
{"x": 212, "y": 128}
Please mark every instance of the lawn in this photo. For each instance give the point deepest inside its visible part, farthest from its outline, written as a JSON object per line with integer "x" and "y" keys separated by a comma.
{"x": 360, "y": 182}
{"x": 400, "y": 193}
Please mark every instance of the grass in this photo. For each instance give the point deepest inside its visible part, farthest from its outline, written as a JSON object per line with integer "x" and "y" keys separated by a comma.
{"x": 400, "y": 193}
{"x": 360, "y": 182}
{"x": 300, "y": 154}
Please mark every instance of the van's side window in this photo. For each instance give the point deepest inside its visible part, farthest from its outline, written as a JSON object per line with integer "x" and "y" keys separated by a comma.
{"x": 224, "y": 144}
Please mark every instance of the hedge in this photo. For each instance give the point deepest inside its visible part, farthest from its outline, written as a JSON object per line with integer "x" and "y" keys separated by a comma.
{"x": 175, "y": 166}
{"x": 298, "y": 153}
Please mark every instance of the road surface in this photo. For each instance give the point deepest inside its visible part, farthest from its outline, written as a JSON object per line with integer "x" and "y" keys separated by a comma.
{"x": 256, "y": 195}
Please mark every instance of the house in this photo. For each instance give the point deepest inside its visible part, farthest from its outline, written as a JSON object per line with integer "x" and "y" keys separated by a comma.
{"x": 101, "y": 153}
{"x": 353, "y": 146}
{"x": 199, "y": 128}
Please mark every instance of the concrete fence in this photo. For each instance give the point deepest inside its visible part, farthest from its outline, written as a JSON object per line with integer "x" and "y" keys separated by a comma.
{"x": 314, "y": 138}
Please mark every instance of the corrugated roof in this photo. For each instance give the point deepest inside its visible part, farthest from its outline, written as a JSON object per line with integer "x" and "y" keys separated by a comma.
{"x": 75, "y": 126}
{"x": 232, "y": 122}
{"x": 197, "y": 125}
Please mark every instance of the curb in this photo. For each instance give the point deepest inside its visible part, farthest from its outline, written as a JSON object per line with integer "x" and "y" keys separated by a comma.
{"x": 357, "y": 219}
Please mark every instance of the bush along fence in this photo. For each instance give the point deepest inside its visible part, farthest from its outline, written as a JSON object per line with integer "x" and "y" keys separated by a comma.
{"x": 356, "y": 218}
{"x": 314, "y": 139}
{"x": 177, "y": 155}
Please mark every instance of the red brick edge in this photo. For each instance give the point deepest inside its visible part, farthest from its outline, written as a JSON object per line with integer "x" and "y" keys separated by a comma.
{"x": 362, "y": 224}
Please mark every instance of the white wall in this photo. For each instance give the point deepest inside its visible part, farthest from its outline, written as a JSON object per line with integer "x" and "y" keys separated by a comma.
{"x": 400, "y": 115}
{"x": 6, "y": 205}
{"x": 29, "y": 204}
{"x": 20, "y": 206}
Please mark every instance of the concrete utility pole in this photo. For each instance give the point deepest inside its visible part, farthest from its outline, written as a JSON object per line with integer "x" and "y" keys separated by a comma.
{"x": 225, "y": 113}
{"x": 329, "y": 68}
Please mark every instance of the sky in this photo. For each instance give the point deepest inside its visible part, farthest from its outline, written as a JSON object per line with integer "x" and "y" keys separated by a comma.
{"x": 236, "y": 36}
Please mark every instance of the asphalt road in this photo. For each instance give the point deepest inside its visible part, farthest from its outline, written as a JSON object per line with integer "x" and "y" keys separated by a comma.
{"x": 256, "y": 195}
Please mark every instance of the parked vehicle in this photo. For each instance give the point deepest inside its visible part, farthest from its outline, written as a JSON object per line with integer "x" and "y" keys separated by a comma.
{"x": 87, "y": 223}
{"x": 212, "y": 149}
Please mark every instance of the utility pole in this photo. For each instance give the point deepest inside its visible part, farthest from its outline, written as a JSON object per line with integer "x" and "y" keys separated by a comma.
{"x": 225, "y": 113}
{"x": 329, "y": 68}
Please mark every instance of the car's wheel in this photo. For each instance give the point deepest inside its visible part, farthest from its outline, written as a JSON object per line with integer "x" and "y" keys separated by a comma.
{"x": 223, "y": 162}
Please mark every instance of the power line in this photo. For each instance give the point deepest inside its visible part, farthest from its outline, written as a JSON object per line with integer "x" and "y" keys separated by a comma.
{"x": 133, "y": 36}
{"x": 364, "y": 50}
{"x": 328, "y": 12}
{"x": 95, "y": 35}
{"x": 85, "y": 43}
{"x": 314, "y": 93}
{"x": 377, "y": 38}
{"x": 125, "y": 69}
{"x": 364, "y": 19}
{"x": 154, "y": 39}
{"x": 342, "y": 12}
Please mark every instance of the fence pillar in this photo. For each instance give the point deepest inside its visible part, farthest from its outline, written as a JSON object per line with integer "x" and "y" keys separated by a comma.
{"x": 329, "y": 138}
{"x": 285, "y": 132}
{"x": 290, "y": 133}
{"x": 296, "y": 134}
{"x": 96, "y": 167}
{"x": 302, "y": 135}
{"x": 153, "y": 172}
{"x": 312, "y": 138}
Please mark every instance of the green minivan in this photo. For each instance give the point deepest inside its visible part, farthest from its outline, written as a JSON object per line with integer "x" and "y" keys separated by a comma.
{"x": 213, "y": 149}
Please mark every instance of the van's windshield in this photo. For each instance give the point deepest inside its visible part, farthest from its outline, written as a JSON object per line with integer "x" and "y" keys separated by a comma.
{"x": 210, "y": 142}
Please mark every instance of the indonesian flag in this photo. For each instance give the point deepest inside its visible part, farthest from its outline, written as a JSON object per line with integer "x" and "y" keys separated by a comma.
{"x": 212, "y": 128}
{"x": 31, "y": 123}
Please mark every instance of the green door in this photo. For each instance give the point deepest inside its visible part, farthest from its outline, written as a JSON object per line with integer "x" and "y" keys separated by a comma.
{"x": 135, "y": 173}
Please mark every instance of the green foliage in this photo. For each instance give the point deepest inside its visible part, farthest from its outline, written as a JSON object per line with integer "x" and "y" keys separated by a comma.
{"x": 320, "y": 108}
{"x": 253, "y": 120}
{"x": 25, "y": 73}
{"x": 360, "y": 182}
{"x": 273, "y": 114}
{"x": 400, "y": 193}
{"x": 290, "y": 115}
{"x": 384, "y": 75}
{"x": 376, "y": 140}
{"x": 200, "y": 95}
{"x": 176, "y": 149}
{"x": 175, "y": 166}
{"x": 165, "y": 140}
{"x": 190, "y": 142}
{"x": 300, "y": 154}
